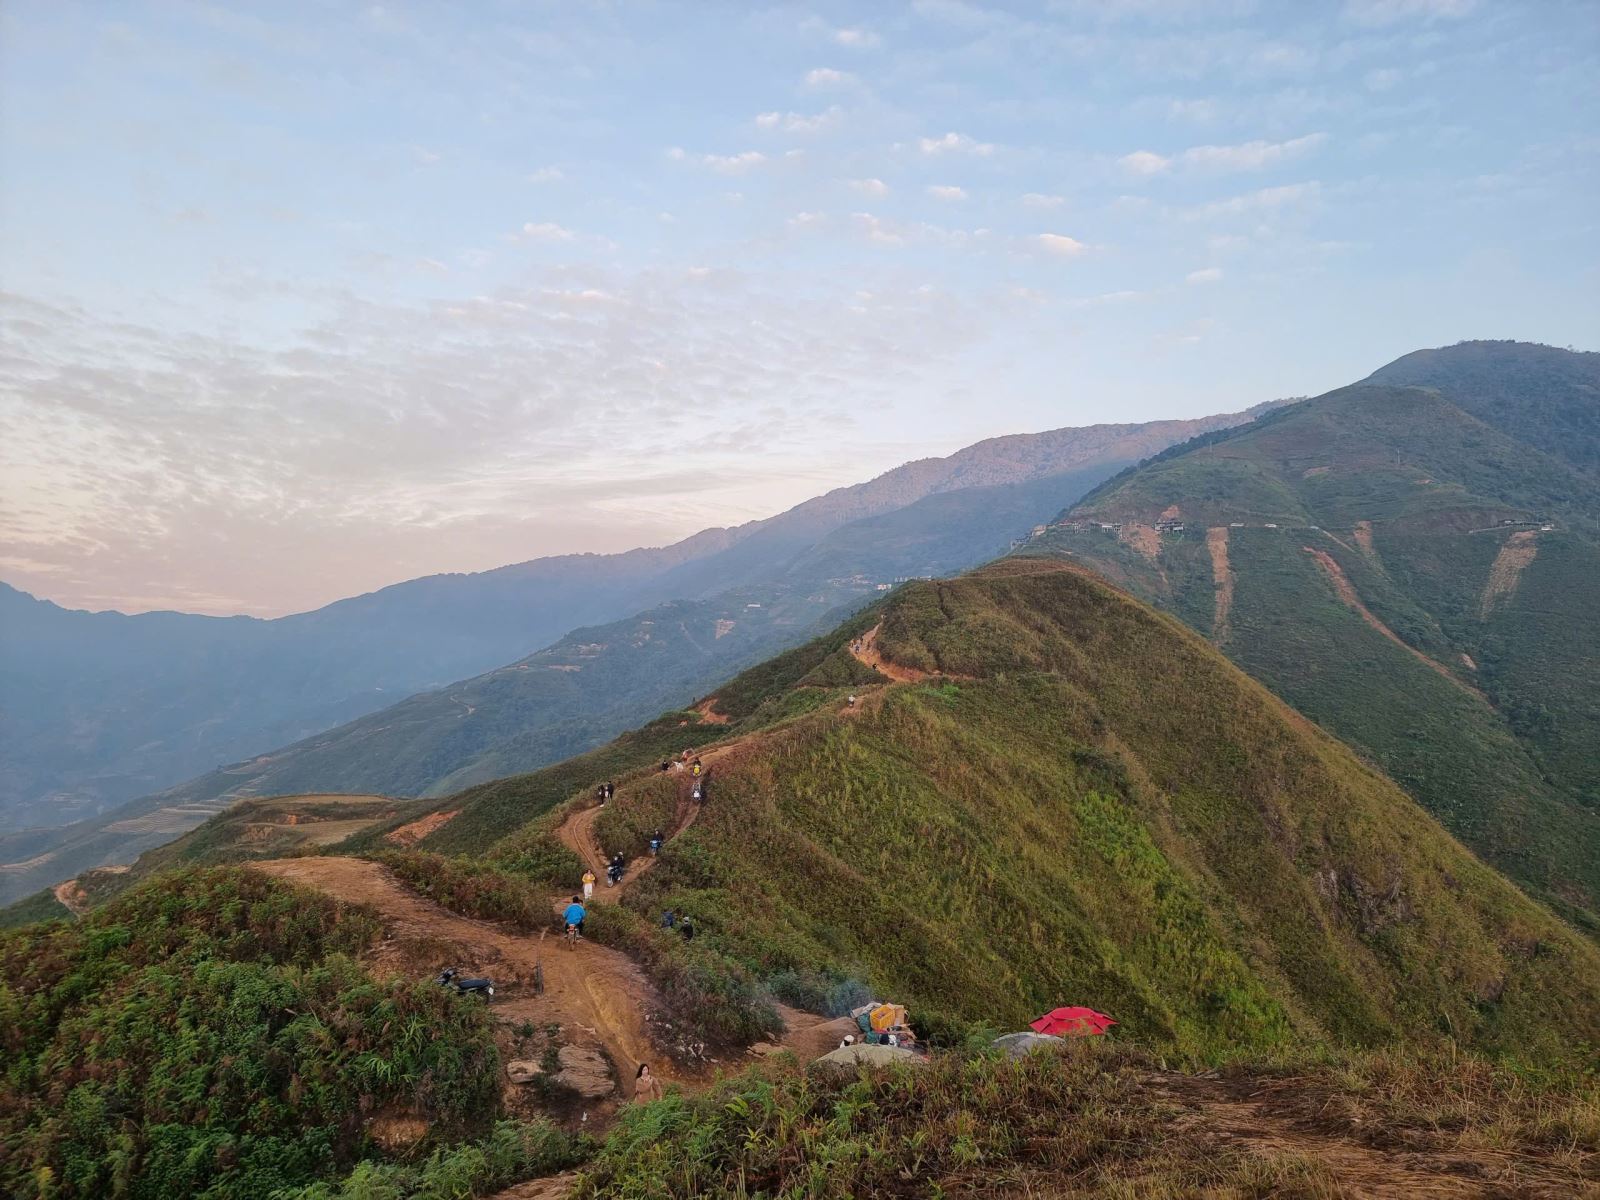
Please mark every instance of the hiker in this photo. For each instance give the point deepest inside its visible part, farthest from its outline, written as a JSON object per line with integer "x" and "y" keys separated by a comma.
{"x": 655, "y": 843}
{"x": 611, "y": 790}
{"x": 669, "y": 919}
{"x": 646, "y": 1086}
{"x": 665, "y": 766}
{"x": 852, "y": 700}
{"x": 588, "y": 884}
{"x": 573, "y": 917}
{"x": 686, "y": 927}
{"x": 698, "y": 794}
{"x": 697, "y": 768}
{"x": 615, "y": 870}
{"x": 600, "y": 795}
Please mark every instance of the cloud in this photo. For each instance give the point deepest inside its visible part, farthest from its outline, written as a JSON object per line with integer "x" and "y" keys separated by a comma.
{"x": 546, "y": 231}
{"x": 433, "y": 265}
{"x": 547, "y": 175}
{"x": 1059, "y": 245}
{"x": 722, "y": 164}
{"x": 1042, "y": 200}
{"x": 1250, "y": 156}
{"x": 424, "y": 157}
{"x": 1262, "y": 200}
{"x": 1245, "y": 156}
{"x": 1200, "y": 111}
{"x": 945, "y": 191}
{"x": 877, "y": 229}
{"x": 1144, "y": 162}
{"x": 1204, "y": 275}
{"x": 954, "y": 143}
{"x": 1391, "y": 12}
{"x": 870, "y": 187}
{"x": 799, "y": 122}
{"x": 379, "y": 440}
{"x": 827, "y": 77}
{"x": 856, "y": 38}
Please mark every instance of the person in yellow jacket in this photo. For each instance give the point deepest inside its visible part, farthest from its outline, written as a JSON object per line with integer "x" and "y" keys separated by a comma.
{"x": 588, "y": 884}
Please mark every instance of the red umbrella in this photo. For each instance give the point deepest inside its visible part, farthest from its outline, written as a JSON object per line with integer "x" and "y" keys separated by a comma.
{"x": 1072, "y": 1022}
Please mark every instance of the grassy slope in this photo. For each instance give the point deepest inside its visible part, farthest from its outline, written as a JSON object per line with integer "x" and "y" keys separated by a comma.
{"x": 1512, "y": 773}
{"x": 1109, "y": 813}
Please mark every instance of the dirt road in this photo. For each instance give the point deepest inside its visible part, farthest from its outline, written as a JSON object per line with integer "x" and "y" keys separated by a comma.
{"x": 598, "y": 995}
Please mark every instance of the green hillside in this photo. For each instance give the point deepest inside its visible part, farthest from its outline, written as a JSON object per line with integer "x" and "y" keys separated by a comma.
{"x": 1063, "y": 797}
{"x": 1411, "y": 577}
{"x": 1093, "y": 806}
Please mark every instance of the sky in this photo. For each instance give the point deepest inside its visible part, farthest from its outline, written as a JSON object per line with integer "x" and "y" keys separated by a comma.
{"x": 302, "y": 299}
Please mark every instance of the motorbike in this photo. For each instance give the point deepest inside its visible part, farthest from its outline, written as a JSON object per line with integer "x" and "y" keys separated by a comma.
{"x": 453, "y": 980}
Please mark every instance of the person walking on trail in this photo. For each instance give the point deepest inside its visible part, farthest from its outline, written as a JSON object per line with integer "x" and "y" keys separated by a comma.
{"x": 588, "y": 884}
{"x": 852, "y": 699}
{"x": 686, "y": 927}
{"x": 697, "y": 768}
{"x": 646, "y": 1087}
{"x": 615, "y": 870}
{"x": 573, "y": 917}
{"x": 655, "y": 843}
{"x": 611, "y": 791}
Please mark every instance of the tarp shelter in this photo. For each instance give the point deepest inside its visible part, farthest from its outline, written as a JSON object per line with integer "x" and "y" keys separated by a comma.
{"x": 1072, "y": 1022}
{"x": 1017, "y": 1044}
{"x": 850, "y": 1057}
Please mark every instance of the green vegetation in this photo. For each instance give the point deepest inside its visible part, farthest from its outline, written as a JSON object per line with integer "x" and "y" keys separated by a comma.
{"x": 1099, "y": 1120}
{"x": 41, "y": 906}
{"x": 1103, "y": 811}
{"x": 1403, "y": 491}
{"x": 514, "y": 1151}
{"x": 209, "y": 1035}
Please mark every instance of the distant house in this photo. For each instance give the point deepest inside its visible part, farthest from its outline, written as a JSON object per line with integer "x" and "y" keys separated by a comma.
{"x": 1169, "y": 526}
{"x": 884, "y": 587}
{"x": 1271, "y": 525}
{"x": 1235, "y": 524}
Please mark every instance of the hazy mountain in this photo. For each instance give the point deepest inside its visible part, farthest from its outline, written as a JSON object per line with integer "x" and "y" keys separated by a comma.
{"x": 102, "y": 707}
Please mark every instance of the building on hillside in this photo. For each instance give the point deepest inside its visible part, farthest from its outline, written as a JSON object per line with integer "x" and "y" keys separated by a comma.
{"x": 1270, "y": 525}
{"x": 1169, "y": 525}
{"x": 1235, "y": 524}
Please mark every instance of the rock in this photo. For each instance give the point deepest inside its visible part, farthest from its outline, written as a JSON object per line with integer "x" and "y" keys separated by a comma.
{"x": 586, "y": 1071}
{"x": 522, "y": 1070}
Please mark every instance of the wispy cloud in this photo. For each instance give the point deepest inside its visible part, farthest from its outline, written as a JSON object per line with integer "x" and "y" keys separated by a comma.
{"x": 1245, "y": 156}
{"x": 828, "y": 77}
{"x": 1043, "y": 200}
{"x": 722, "y": 164}
{"x": 946, "y": 191}
{"x": 1059, "y": 245}
{"x": 1262, "y": 200}
{"x": 870, "y": 187}
{"x": 1204, "y": 275}
{"x": 545, "y": 231}
{"x": 802, "y": 123}
{"x": 1391, "y": 12}
{"x": 856, "y": 38}
{"x": 955, "y": 143}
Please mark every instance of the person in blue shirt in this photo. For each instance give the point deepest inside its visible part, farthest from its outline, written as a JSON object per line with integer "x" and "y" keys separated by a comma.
{"x": 574, "y": 916}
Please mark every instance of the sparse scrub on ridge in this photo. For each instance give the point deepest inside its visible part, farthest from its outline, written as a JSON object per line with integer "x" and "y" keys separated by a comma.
{"x": 471, "y": 888}
{"x": 512, "y": 1152}
{"x": 1105, "y": 811}
{"x": 1095, "y": 1120}
{"x": 641, "y": 807}
{"x": 208, "y": 1034}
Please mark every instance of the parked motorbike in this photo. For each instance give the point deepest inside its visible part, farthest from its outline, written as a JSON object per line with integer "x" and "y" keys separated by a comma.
{"x": 455, "y": 981}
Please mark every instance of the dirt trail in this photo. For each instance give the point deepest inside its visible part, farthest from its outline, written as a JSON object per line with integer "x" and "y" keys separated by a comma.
{"x": 1263, "y": 1115}
{"x": 870, "y": 654}
{"x": 1347, "y": 593}
{"x": 599, "y": 996}
{"x": 1519, "y": 550}
{"x": 1222, "y": 577}
{"x": 1363, "y": 536}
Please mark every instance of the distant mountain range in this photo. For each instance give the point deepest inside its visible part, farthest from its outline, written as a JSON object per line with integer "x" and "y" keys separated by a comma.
{"x": 102, "y": 707}
{"x": 1414, "y": 563}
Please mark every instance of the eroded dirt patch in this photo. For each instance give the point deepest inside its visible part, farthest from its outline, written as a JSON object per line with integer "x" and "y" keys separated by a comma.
{"x": 1347, "y": 592}
{"x": 1221, "y": 577}
{"x": 412, "y": 833}
{"x": 1519, "y": 550}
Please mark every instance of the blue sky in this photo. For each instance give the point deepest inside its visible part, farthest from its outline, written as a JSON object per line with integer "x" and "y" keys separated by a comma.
{"x": 302, "y": 299}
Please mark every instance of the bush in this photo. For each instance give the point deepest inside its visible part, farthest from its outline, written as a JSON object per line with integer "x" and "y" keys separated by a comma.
{"x": 207, "y": 1034}
{"x": 513, "y": 1152}
{"x": 470, "y": 888}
